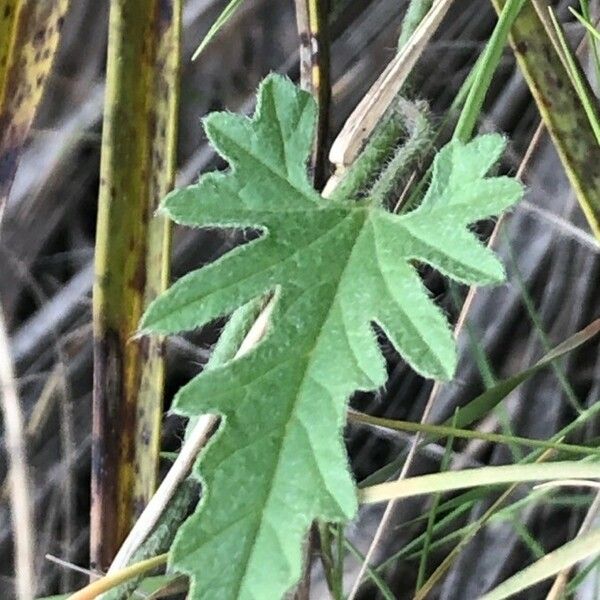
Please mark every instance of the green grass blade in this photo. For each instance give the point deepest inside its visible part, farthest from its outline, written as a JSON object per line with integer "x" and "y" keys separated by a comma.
{"x": 371, "y": 573}
{"x": 458, "y": 480}
{"x": 431, "y": 519}
{"x": 584, "y": 546}
{"x": 447, "y": 431}
{"x": 588, "y": 100}
{"x": 585, "y": 21}
{"x": 395, "y": 465}
{"x": 485, "y": 71}
{"x": 582, "y": 575}
{"x": 221, "y": 21}
{"x": 469, "y": 534}
{"x": 414, "y": 548}
{"x": 593, "y": 36}
{"x": 467, "y": 498}
{"x": 538, "y": 327}
{"x": 480, "y": 406}
{"x": 527, "y": 538}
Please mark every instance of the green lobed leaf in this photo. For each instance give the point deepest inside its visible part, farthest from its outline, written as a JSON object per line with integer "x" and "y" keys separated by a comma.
{"x": 278, "y": 461}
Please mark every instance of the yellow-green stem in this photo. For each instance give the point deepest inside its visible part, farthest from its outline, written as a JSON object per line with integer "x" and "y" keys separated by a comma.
{"x": 132, "y": 262}
{"x": 311, "y": 17}
{"x": 107, "y": 583}
{"x": 445, "y": 431}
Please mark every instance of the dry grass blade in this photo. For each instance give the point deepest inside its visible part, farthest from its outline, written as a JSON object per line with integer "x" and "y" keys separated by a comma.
{"x": 369, "y": 111}
{"x": 20, "y": 498}
{"x": 560, "y": 583}
{"x": 560, "y": 108}
{"x": 577, "y": 550}
{"x": 132, "y": 260}
{"x": 158, "y": 503}
{"x": 29, "y": 37}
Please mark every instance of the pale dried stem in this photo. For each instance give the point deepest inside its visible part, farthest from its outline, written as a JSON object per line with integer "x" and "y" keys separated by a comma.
{"x": 18, "y": 473}
{"x": 195, "y": 441}
{"x": 65, "y": 564}
{"x": 178, "y": 472}
{"x": 372, "y": 107}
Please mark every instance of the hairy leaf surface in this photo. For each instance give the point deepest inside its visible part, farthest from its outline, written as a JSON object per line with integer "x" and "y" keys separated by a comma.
{"x": 278, "y": 461}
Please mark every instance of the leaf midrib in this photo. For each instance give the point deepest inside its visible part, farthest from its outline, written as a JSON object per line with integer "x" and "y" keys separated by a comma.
{"x": 293, "y": 413}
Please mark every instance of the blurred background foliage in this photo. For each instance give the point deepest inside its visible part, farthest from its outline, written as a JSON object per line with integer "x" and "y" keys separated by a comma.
{"x": 552, "y": 258}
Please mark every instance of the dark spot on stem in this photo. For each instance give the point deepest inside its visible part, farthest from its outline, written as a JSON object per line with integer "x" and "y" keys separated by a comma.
{"x": 39, "y": 37}
{"x": 165, "y": 10}
{"x": 8, "y": 167}
{"x": 304, "y": 38}
{"x": 521, "y": 47}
